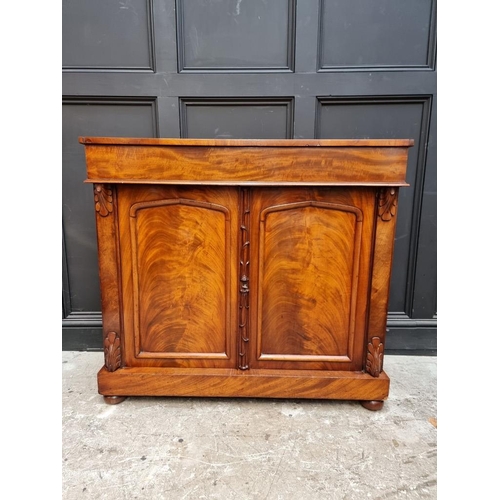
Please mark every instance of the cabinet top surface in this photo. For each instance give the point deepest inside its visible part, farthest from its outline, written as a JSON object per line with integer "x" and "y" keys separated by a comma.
{"x": 249, "y": 142}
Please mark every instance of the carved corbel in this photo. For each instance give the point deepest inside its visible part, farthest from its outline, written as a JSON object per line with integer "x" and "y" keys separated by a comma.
{"x": 103, "y": 198}
{"x": 112, "y": 351}
{"x": 387, "y": 203}
{"x": 375, "y": 357}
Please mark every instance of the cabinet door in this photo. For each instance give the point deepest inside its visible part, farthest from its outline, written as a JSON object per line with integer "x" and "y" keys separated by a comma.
{"x": 179, "y": 275}
{"x": 310, "y": 274}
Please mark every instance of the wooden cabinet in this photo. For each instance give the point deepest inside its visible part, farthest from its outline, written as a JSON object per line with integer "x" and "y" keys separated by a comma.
{"x": 245, "y": 268}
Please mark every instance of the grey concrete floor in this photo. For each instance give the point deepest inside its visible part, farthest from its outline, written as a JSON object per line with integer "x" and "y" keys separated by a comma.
{"x": 202, "y": 448}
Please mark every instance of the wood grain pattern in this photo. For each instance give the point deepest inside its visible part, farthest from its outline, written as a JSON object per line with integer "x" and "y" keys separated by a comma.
{"x": 244, "y": 285}
{"x": 180, "y": 251}
{"x": 179, "y": 275}
{"x": 310, "y": 288}
{"x": 307, "y": 384}
{"x": 163, "y": 164}
{"x": 308, "y": 279}
{"x": 383, "y": 251}
{"x": 108, "y": 246}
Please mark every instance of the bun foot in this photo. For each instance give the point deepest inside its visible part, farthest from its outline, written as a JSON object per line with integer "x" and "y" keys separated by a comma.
{"x": 372, "y": 405}
{"x": 114, "y": 400}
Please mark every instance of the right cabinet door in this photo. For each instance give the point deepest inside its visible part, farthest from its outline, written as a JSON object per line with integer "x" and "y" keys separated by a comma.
{"x": 310, "y": 273}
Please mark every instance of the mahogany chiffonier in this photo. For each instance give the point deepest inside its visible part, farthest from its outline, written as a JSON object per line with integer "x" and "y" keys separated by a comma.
{"x": 245, "y": 268}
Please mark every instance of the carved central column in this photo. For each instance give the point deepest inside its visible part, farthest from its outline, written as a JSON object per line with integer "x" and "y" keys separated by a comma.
{"x": 244, "y": 280}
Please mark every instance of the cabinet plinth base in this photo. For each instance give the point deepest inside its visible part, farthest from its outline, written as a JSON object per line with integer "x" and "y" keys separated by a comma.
{"x": 372, "y": 405}
{"x": 114, "y": 400}
{"x": 255, "y": 383}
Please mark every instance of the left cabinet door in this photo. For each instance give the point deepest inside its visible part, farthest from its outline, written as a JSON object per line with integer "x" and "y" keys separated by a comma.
{"x": 178, "y": 253}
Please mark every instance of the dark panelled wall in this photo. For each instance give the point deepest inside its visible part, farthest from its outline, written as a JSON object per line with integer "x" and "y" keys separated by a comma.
{"x": 253, "y": 69}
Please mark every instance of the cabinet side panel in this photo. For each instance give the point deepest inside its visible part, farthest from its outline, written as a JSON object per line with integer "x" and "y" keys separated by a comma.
{"x": 109, "y": 272}
{"x": 386, "y": 214}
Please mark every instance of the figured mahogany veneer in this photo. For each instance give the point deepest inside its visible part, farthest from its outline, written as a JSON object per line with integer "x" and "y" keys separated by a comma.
{"x": 245, "y": 268}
